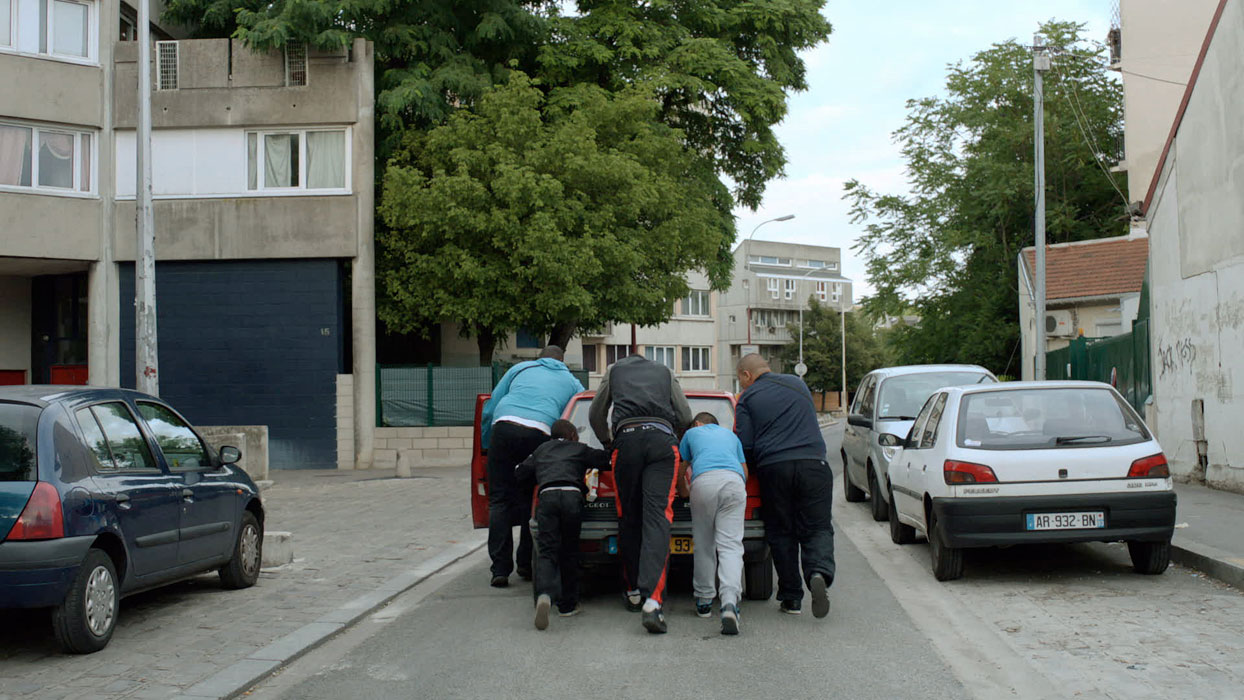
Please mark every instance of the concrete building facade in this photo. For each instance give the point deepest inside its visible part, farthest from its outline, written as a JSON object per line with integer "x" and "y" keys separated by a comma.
{"x": 1154, "y": 46}
{"x": 772, "y": 282}
{"x": 262, "y": 170}
{"x": 1194, "y": 208}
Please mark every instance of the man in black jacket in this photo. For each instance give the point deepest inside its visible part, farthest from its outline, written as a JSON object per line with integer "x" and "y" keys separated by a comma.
{"x": 557, "y": 467}
{"x": 776, "y": 422}
{"x": 648, "y": 409}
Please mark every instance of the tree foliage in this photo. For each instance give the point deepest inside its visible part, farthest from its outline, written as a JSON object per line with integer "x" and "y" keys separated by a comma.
{"x": 822, "y": 347}
{"x": 536, "y": 211}
{"x": 949, "y": 249}
{"x": 704, "y": 81}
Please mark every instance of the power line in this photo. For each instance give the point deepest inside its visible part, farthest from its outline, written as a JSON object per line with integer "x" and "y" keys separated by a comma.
{"x": 1077, "y": 111}
{"x": 1154, "y": 77}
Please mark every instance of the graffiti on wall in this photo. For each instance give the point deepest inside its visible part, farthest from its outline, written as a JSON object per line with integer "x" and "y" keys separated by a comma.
{"x": 1177, "y": 356}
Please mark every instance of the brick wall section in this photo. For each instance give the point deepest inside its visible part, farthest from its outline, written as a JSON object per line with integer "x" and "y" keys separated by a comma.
{"x": 425, "y": 447}
{"x": 250, "y": 342}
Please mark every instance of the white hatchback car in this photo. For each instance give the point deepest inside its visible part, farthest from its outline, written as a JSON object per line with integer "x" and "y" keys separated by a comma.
{"x": 1026, "y": 462}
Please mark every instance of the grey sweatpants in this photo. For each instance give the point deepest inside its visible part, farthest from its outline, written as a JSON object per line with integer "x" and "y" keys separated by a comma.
{"x": 718, "y": 499}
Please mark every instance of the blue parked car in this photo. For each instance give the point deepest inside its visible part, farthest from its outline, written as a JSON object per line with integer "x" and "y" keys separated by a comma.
{"x": 108, "y": 492}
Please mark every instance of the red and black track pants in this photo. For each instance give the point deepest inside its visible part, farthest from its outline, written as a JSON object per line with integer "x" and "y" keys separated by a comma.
{"x": 645, "y": 469}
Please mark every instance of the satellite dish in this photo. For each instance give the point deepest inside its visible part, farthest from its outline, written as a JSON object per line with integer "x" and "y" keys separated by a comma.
{"x": 801, "y": 369}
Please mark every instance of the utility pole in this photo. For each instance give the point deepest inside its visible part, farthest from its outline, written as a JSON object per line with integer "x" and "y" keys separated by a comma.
{"x": 1040, "y": 64}
{"x": 146, "y": 355}
{"x": 842, "y": 316}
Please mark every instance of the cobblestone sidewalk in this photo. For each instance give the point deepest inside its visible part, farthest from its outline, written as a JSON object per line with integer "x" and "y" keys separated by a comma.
{"x": 352, "y": 532}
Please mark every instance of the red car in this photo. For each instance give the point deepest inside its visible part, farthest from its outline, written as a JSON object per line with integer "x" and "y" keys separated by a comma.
{"x": 598, "y": 541}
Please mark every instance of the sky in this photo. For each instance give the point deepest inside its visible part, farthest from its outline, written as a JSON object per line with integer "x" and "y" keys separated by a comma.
{"x": 881, "y": 54}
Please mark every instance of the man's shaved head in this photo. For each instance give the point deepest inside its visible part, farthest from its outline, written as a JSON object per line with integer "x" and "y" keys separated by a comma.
{"x": 750, "y": 367}
{"x": 554, "y": 352}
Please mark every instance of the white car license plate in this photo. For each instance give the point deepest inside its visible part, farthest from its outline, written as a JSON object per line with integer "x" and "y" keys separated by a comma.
{"x": 1066, "y": 521}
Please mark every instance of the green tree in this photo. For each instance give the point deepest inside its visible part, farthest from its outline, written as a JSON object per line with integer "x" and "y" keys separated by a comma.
{"x": 822, "y": 347}
{"x": 949, "y": 250}
{"x": 548, "y": 212}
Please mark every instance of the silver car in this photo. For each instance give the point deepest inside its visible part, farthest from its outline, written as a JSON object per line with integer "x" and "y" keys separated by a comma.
{"x": 887, "y": 401}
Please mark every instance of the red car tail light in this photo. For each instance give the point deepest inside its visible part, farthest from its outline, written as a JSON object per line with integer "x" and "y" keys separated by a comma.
{"x": 1153, "y": 466}
{"x": 967, "y": 473}
{"x": 42, "y": 518}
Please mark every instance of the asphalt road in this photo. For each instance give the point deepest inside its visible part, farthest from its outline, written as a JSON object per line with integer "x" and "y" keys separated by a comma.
{"x": 1025, "y": 622}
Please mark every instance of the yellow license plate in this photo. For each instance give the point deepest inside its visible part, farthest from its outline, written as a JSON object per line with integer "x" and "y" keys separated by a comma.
{"x": 681, "y": 545}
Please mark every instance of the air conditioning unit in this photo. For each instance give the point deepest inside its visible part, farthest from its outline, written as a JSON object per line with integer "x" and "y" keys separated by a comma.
{"x": 1059, "y": 324}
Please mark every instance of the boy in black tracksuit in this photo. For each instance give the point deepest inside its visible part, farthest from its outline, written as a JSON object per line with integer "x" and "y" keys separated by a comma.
{"x": 558, "y": 468}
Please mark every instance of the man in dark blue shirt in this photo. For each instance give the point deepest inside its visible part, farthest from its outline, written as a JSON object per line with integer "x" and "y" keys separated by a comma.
{"x": 776, "y": 422}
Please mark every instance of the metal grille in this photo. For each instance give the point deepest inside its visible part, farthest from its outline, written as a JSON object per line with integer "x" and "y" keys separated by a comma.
{"x": 295, "y": 64}
{"x": 166, "y": 65}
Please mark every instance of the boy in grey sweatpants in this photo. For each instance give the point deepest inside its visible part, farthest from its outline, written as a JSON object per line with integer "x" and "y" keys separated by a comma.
{"x": 718, "y": 475}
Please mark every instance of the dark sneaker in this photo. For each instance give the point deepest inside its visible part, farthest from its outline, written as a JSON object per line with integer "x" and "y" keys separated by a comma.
{"x": 634, "y": 601}
{"x": 571, "y": 612}
{"x": 820, "y": 596}
{"x": 729, "y": 619}
{"x": 543, "y": 603}
{"x": 524, "y": 574}
{"x": 792, "y": 607}
{"x": 500, "y": 581}
{"x": 654, "y": 621}
{"x": 704, "y": 607}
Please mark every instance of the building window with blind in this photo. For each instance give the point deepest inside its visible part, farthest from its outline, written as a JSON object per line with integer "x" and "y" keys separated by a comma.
{"x": 613, "y": 353}
{"x": 822, "y": 291}
{"x": 295, "y": 64}
{"x": 837, "y": 292}
{"x": 695, "y": 303}
{"x": 789, "y": 289}
{"x": 589, "y": 358}
{"x": 46, "y": 160}
{"x": 774, "y": 287}
{"x": 297, "y": 160}
{"x": 660, "y": 354}
{"x": 696, "y": 359}
{"x": 61, "y": 29}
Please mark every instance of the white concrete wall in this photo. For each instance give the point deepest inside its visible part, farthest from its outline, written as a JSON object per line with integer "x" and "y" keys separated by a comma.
{"x": 345, "y": 421}
{"x": 1196, "y": 259}
{"x": 15, "y": 324}
{"x": 1161, "y": 40}
{"x": 440, "y": 446}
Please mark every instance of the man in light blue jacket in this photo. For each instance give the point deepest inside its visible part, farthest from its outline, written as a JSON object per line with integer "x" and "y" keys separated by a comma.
{"x": 515, "y": 421}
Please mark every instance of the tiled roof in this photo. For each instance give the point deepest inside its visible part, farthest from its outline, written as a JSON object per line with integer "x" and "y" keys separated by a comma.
{"x": 1107, "y": 267}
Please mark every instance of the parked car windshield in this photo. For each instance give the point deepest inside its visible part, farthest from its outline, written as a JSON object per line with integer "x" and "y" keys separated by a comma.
{"x": 18, "y": 423}
{"x": 721, "y": 407}
{"x": 902, "y": 396}
{"x": 1047, "y": 418}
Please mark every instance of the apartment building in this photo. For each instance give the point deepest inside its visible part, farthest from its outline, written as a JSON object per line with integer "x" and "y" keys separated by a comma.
{"x": 772, "y": 282}
{"x": 262, "y": 171}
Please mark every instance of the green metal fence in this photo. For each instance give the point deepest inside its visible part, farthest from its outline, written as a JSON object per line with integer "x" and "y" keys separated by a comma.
{"x": 1121, "y": 361}
{"x": 428, "y": 395}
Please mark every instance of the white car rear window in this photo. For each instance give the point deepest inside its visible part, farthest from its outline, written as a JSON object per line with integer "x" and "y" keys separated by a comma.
{"x": 1047, "y": 418}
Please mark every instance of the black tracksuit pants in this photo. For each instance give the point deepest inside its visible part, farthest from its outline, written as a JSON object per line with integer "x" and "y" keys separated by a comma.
{"x": 644, "y": 469}
{"x": 797, "y": 497}
{"x": 559, "y": 516}
{"x": 509, "y": 502}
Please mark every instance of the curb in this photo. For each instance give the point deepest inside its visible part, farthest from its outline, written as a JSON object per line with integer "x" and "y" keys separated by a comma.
{"x": 235, "y": 679}
{"x": 1210, "y": 561}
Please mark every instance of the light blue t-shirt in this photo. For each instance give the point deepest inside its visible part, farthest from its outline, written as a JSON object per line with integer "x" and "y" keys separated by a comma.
{"x": 710, "y": 447}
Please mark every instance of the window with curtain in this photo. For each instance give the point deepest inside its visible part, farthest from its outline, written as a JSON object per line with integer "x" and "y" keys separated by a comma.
{"x": 662, "y": 354}
{"x": 822, "y": 291}
{"x": 308, "y": 160}
{"x": 70, "y": 28}
{"x": 773, "y": 287}
{"x": 54, "y": 28}
{"x": 589, "y": 358}
{"x": 326, "y": 159}
{"x": 6, "y": 22}
{"x": 613, "y": 353}
{"x": 35, "y": 158}
{"x": 695, "y": 303}
{"x": 280, "y": 155}
{"x": 696, "y": 359}
{"x": 790, "y": 289}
